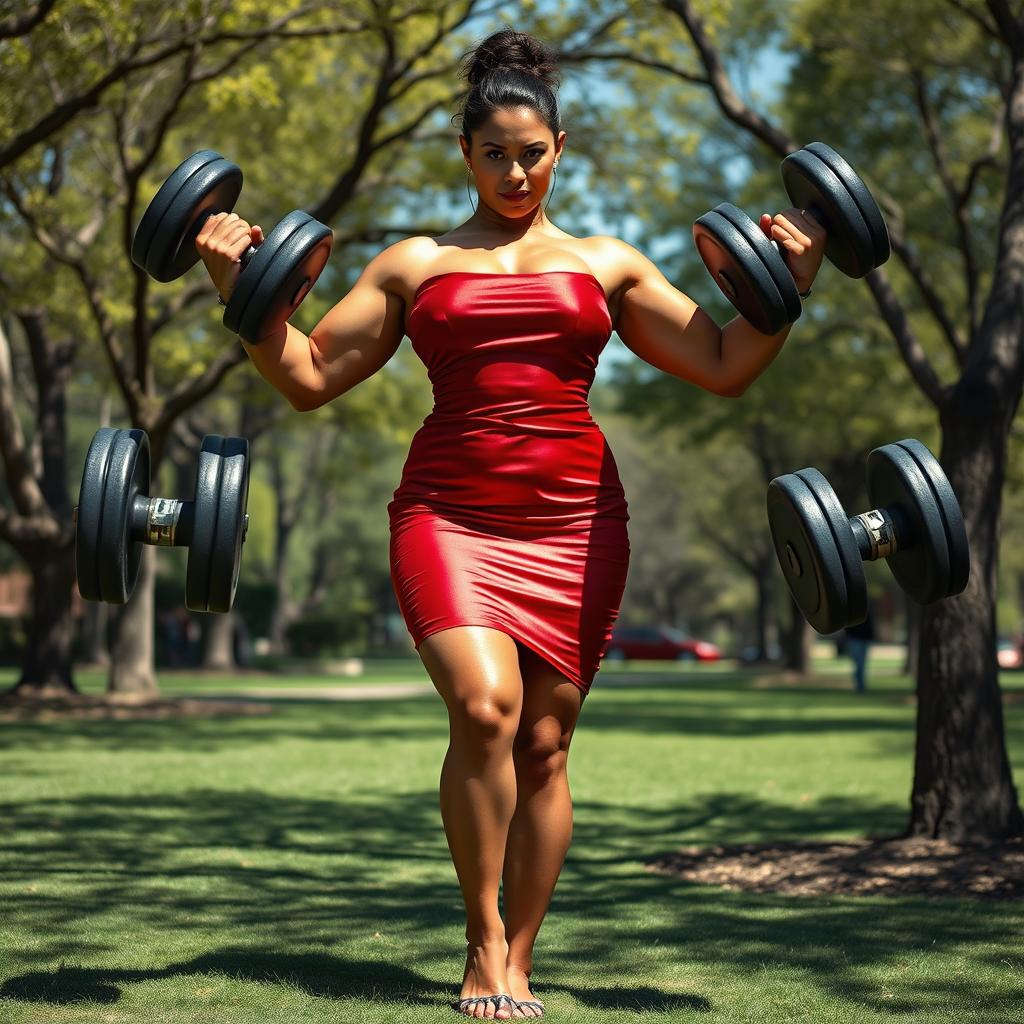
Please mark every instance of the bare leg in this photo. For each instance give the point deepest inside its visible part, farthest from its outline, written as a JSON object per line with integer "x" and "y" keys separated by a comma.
{"x": 476, "y": 671}
{"x": 541, "y": 829}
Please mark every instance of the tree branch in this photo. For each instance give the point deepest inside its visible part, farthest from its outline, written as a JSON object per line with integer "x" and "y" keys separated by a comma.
{"x": 581, "y": 56}
{"x": 89, "y": 97}
{"x": 910, "y": 349}
{"x": 61, "y": 253}
{"x": 933, "y": 133}
{"x": 22, "y": 484}
{"x": 14, "y": 26}
{"x": 726, "y": 96}
{"x": 190, "y": 392}
{"x": 1008, "y": 25}
{"x": 929, "y": 293}
{"x": 986, "y": 26}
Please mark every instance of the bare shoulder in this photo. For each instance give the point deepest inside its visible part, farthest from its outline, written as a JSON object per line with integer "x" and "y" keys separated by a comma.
{"x": 624, "y": 264}
{"x": 395, "y": 268}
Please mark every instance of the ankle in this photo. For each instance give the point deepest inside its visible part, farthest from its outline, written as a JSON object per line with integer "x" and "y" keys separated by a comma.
{"x": 485, "y": 937}
{"x": 519, "y": 964}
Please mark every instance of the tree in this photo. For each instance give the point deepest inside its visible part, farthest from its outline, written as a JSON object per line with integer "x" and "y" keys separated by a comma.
{"x": 164, "y": 86}
{"x": 937, "y": 88}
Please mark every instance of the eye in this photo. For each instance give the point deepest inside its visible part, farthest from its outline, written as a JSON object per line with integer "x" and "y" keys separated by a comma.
{"x": 491, "y": 153}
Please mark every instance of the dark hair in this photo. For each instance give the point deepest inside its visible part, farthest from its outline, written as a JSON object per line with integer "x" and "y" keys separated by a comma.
{"x": 509, "y": 69}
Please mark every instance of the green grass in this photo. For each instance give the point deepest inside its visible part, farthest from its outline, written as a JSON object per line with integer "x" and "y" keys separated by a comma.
{"x": 292, "y": 867}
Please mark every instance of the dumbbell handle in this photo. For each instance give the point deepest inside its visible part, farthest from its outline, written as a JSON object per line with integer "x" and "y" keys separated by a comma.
{"x": 166, "y": 522}
{"x": 162, "y": 522}
{"x": 876, "y": 533}
{"x": 819, "y": 217}
{"x": 197, "y": 228}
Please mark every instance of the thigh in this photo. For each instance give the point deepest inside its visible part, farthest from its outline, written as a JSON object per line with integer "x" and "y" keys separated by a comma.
{"x": 551, "y": 707}
{"x": 476, "y": 671}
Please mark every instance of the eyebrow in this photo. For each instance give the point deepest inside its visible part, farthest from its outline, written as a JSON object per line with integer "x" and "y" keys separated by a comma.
{"x": 528, "y": 145}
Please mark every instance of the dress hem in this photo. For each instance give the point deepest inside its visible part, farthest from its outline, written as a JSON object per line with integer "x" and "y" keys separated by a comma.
{"x": 573, "y": 678}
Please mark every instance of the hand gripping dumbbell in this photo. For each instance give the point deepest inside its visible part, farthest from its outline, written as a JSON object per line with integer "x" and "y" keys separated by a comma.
{"x": 916, "y": 525}
{"x": 274, "y": 278}
{"x": 751, "y": 269}
{"x": 115, "y": 516}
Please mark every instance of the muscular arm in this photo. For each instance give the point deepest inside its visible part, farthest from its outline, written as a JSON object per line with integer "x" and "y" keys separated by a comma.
{"x": 352, "y": 341}
{"x": 667, "y": 329}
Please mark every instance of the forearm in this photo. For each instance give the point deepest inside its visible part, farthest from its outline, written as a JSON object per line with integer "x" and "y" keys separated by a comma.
{"x": 285, "y": 359}
{"x": 745, "y": 354}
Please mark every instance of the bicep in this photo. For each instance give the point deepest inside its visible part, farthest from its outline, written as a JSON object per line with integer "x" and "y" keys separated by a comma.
{"x": 359, "y": 334}
{"x": 666, "y": 328}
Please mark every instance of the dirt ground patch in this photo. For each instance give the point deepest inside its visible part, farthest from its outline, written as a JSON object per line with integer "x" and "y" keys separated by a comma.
{"x": 15, "y": 707}
{"x": 863, "y": 867}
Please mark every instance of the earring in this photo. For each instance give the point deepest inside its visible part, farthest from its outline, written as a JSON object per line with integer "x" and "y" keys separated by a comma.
{"x": 553, "y": 184}
{"x": 468, "y": 193}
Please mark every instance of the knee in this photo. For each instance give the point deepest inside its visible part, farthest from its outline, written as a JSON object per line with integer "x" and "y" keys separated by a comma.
{"x": 540, "y": 756}
{"x": 486, "y": 720}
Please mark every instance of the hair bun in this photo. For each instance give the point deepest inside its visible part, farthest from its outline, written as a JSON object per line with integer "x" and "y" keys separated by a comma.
{"x": 509, "y": 50}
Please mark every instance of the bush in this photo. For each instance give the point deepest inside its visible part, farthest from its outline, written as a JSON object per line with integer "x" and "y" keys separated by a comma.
{"x": 322, "y": 634}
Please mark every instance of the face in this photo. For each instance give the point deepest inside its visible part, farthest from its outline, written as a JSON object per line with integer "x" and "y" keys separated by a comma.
{"x": 512, "y": 151}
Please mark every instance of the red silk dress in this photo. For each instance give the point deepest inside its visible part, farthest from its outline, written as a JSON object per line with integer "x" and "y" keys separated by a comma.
{"x": 510, "y": 512}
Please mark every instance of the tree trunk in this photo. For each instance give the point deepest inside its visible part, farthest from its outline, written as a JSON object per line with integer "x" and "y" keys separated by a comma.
{"x": 796, "y": 646}
{"x": 762, "y": 614}
{"x": 285, "y": 607}
{"x": 131, "y": 667}
{"x": 913, "y": 654}
{"x": 219, "y": 641}
{"x": 963, "y": 788}
{"x": 47, "y": 665}
{"x": 95, "y": 650}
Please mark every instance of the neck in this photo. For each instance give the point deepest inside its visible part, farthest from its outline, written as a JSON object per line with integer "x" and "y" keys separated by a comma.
{"x": 490, "y": 222}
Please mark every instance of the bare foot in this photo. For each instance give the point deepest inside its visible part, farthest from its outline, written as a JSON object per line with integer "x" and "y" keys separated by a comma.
{"x": 486, "y": 976}
{"x": 519, "y": 989}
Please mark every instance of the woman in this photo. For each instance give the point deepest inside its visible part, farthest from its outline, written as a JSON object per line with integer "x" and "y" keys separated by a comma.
{"x": 509, "y": 547}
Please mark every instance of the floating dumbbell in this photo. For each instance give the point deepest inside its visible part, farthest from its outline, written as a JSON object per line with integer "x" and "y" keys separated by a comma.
{"x": 750, "y": 268}
{"x": 115, "y": 516}
{"x": 916, "y": 526}
{"x": 275, "y": 277}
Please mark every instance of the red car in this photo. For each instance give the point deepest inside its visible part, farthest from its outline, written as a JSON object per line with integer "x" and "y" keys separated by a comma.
{"x": 658, "y": 643}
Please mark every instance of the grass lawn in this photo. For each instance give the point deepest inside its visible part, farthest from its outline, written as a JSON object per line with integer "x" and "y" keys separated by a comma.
{"x": 292, "y": 866}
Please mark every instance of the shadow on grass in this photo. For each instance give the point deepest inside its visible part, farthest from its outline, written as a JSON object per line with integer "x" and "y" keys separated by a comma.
{"x": 725, "y": 713}
{"x": 319, "y": 975}
{"x": 217, "y": 865}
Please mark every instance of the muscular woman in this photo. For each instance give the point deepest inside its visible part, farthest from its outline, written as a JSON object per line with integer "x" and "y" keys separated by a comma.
{"x": 509, "y": 547}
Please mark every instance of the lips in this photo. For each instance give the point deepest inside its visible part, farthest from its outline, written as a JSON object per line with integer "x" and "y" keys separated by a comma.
{"x": 516, "y": 195}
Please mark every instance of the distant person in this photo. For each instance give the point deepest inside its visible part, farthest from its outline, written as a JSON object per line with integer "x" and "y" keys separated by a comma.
{"x": 858, "y": 639}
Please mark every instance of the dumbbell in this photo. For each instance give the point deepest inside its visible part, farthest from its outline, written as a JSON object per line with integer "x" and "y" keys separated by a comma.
{"x": 274, "y": 278}
{"x": 750, "y": 268}
{"x": 916, "y": 525}
{"x": 115, "y": 516}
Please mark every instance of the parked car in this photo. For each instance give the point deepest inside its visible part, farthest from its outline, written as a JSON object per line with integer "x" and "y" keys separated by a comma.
{"x": 660, "y": 643}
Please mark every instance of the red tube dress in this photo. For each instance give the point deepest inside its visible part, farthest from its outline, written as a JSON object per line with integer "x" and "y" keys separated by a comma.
{"x": 510, "y": 512}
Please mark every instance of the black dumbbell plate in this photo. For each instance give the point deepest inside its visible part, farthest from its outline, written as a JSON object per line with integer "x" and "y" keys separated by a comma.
{"x": 214, "y": 556}
{"x": 277, "y": 278}
{"x": 106, "y": 554}
{"x": 740, "y": 270}
{"x": 862, "y": 196}
{"x": 812, "y": 185}
{"x": 933, "y": 560}
{"x": 165, "y": 240}
{"x": 770, "y": 256}
{"x": 816, "y": 550}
